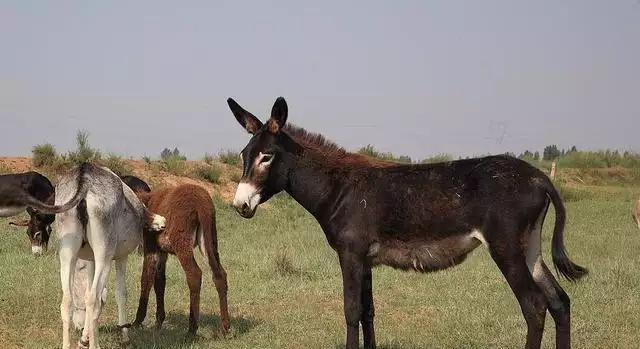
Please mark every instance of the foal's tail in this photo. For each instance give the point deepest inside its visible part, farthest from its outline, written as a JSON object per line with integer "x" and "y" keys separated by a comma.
{"x": 564, "y": 266}
{"x": 208, "y": 240}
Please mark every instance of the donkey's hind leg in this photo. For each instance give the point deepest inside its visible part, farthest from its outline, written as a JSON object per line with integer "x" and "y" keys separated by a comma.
{"x": 533, "y": 303}
{"x": 557, "y": 299}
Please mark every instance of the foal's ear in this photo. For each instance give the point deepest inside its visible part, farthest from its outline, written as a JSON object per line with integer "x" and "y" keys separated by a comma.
{"x": 279, "y": 114}
{"x": 246, "y": 119}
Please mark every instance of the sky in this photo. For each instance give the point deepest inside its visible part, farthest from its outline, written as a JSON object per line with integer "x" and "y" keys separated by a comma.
{"x": 414, "y": 77}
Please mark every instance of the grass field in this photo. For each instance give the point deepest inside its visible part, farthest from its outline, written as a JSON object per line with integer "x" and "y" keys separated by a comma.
{"x": 285, "y": 290}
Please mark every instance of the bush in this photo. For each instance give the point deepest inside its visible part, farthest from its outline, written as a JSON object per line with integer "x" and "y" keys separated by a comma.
{"x": 229, "y": 157}
{"x": 437, "y": 158}
{"x": 174, "y": 164}
{"x": 236, "y": 176}
{"x": 208, "y": 158}
{"x": 84, "y": 152}
{"x": 209, "y": 173}
{"x": 44, "y": 155}
{"x": 284, "y": 265}
{"x": 4, "y": 169}
{"x": 118, "y": 165}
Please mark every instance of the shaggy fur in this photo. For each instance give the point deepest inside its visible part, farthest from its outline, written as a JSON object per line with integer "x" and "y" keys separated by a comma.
{"x": 191, "y": 223}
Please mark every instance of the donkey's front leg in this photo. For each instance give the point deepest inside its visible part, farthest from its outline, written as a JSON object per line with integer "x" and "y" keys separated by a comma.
{"x": 352, "y": 265}
{"x": 368, "y": 334}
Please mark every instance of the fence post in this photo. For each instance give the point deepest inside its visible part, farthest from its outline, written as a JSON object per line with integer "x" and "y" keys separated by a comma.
{"x": 552, "y": 174}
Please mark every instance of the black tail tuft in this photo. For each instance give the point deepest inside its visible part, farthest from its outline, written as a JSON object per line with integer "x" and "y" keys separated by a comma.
{"x": 564, "y": 266}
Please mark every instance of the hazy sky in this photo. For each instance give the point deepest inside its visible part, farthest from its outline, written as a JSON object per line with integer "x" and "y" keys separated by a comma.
{"x": 412, "y": 77}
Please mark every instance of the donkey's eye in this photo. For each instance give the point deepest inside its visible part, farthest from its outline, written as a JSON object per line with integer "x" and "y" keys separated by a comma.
{"x": 266, "y": 158}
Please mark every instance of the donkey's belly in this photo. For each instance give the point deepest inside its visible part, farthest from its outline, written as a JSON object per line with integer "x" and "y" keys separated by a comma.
{"x": 423, "y": 256}
{"x": 123, "y": 248}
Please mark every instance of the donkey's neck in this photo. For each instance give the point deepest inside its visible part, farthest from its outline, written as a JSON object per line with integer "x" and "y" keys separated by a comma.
{"x": 318, "y": 189}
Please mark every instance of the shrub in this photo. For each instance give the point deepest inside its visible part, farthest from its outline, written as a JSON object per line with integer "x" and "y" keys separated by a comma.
{"x": 208, "y": 158}
{"x": 437, "y": 158}
{"x": 284, "y": 265}
{"x": 236, "y": 176}
{"x": 229, "y": 157}
{"x": 84, "y": 152}
{"x": 174, "y": 164}
{"x": 44, "y": 155}
{"x": 117, "y": 164}
{"x": 4, "y": 169}
{"x": 209, "y": 173}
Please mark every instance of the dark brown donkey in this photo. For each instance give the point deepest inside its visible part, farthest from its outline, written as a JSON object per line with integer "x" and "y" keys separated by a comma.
{"x": 191, "y": 223}
{"x": 412, "y": 217}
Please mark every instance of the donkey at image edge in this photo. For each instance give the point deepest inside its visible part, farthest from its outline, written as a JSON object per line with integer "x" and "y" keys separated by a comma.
{"x": 424, "y": 217}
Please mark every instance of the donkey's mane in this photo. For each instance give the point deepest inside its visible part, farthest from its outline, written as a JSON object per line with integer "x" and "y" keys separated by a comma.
{"x": 313, "y": 140}
{"x": 330, "y": 150}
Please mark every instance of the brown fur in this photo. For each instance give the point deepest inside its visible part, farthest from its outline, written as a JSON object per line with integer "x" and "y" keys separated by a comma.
{"x": 331, "y": 153}
{"x": 190, "y": 215}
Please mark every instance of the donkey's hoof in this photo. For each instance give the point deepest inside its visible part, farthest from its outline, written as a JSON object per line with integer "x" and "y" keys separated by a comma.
{"x": 82, "y": 344}
{"x": 229, "y": 333}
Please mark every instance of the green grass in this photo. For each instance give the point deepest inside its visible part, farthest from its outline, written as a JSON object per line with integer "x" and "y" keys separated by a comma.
{"x": 285, "y": 290}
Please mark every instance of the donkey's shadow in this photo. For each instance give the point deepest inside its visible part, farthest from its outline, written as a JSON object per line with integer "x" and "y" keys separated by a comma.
{"x": 174, "y": 330}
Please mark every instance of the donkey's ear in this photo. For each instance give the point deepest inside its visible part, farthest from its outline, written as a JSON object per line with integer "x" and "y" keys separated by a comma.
{"x": 246, "y": 119}
{"x": 22, "y": 223}
{"x": 279, "y": 114}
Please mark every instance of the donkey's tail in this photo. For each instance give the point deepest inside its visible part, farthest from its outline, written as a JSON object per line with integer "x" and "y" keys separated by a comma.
{"x": 80, "y": 194}
{"x": 564, "y": 266}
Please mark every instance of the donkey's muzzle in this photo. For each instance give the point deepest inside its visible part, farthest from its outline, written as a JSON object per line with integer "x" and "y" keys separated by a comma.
{"x": 245, "y": 211}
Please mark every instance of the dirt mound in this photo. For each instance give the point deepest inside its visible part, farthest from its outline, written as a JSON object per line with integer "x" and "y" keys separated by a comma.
{"x": 150, "y": 173}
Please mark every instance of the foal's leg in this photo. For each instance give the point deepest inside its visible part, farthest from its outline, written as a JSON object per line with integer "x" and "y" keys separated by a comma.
{"x": 210, "y": 251}
{"x": 352, "y": 265}
{"x": 159, "y": 286}
{"x": 194, "y": 280}
{"x": 368, "y": 312}
{"x": 512, "y": 263}
{"x": 146, "y": 281}
{"x": 68, "y": 252}
{"x": 121, "y": 296}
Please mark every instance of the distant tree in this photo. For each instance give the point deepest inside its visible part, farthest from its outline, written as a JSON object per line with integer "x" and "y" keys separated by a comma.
{"x": 550, "y": 152}
{"x": 536, "y": 156}
{"x": 573, "y": 149}
{"x": 175, "y": 153}
{"x": 526, "y": 155}
{"x": 404, "y": 159}
{"x": 165, "y": 154}
{"x": 508, "y": 153}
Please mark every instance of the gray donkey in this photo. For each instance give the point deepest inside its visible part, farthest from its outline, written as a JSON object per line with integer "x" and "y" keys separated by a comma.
{"x": 106, "y": 225}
